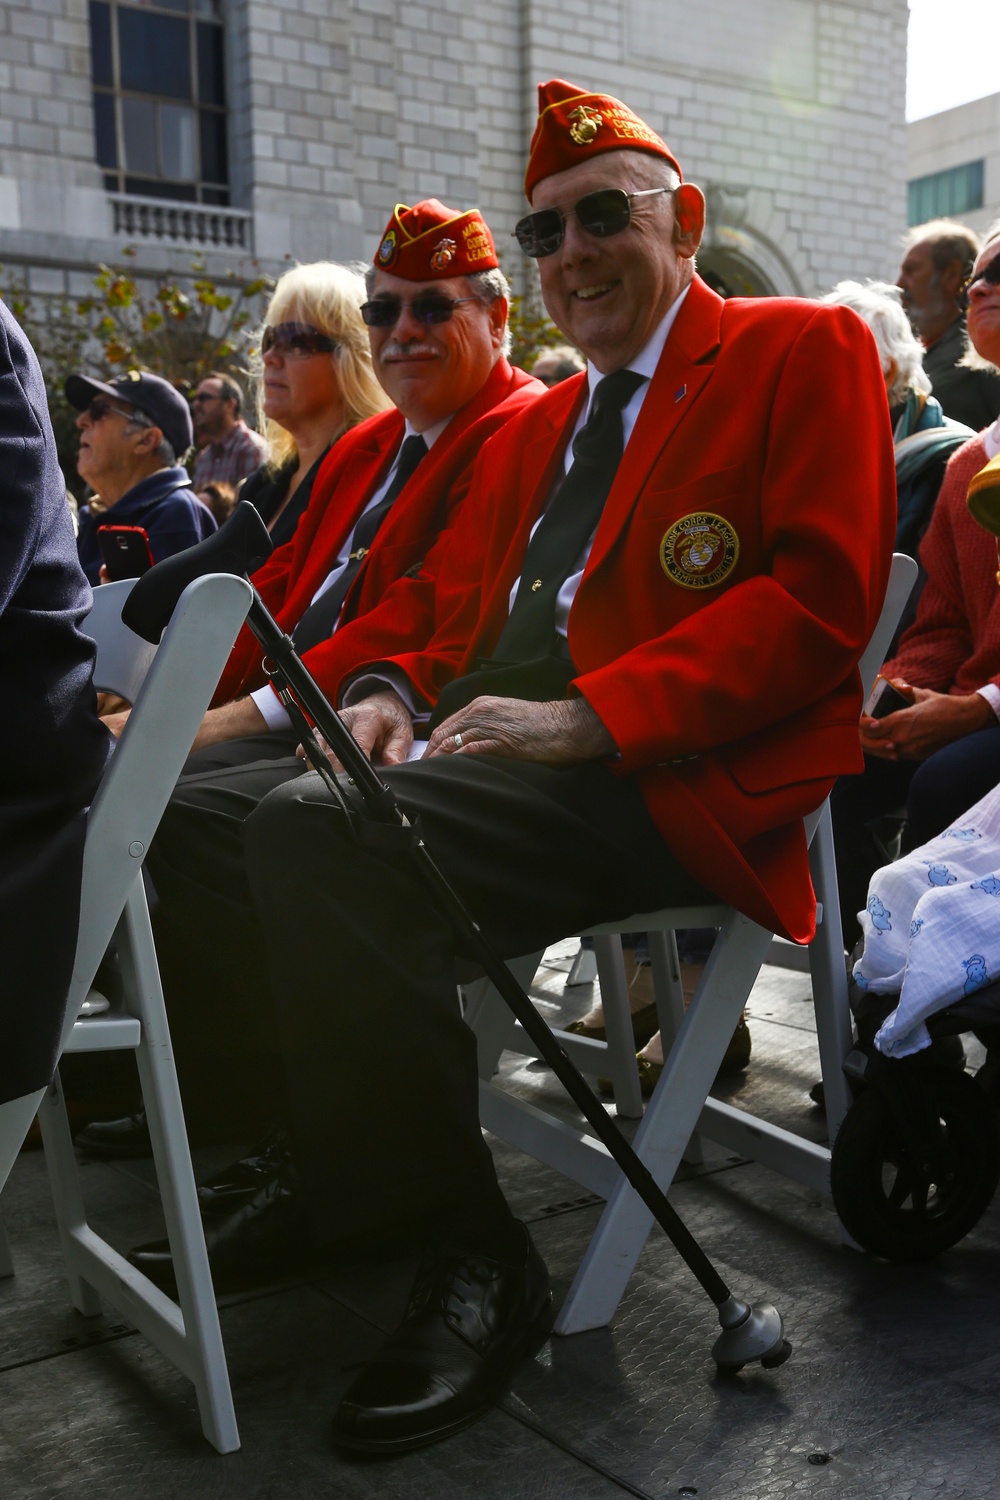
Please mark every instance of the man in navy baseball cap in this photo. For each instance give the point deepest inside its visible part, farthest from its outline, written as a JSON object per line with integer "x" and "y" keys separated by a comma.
{"x": 134, "y": 432}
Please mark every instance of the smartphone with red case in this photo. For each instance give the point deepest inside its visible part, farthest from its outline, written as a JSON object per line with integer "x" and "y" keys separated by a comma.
{"x": 125, "y": 551}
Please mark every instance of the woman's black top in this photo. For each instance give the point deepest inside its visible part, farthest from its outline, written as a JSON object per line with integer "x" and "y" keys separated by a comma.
{"x": 267, "y": 488}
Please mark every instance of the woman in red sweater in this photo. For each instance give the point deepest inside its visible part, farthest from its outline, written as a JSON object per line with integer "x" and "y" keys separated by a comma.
{"x": 943, "y": 753}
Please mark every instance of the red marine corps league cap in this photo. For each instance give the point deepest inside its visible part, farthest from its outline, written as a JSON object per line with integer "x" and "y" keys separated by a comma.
{"x": 429, "y": 241}
{"x": 574, "y": 126}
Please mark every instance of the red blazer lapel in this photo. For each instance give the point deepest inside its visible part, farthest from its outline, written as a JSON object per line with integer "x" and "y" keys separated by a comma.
{"x": 685, "y": 368}
{"x": 346, "y": 488}
{"x": 540, "y": 467}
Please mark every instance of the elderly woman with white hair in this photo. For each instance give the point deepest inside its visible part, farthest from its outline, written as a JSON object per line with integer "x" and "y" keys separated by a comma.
{"x": 924, "y": 438}
{"x": 315, "y": 381}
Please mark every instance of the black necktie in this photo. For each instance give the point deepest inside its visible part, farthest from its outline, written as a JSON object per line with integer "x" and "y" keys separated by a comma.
{"x": 530, "y": 659}
{"x": 568, "y": 523}
{"x": 319, "y": 619}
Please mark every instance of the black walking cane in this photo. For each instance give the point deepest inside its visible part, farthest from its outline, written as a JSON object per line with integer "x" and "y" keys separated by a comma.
{"x": 240, "y": 546}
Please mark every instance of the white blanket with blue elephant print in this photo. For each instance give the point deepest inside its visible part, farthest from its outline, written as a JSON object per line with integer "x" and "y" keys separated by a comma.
{"x": 932, "y": 926}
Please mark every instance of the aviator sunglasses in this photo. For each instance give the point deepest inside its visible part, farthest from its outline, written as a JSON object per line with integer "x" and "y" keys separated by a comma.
{"x": 991, "y": 276}
{"x": 426, "y": 307}
{"x": 601, "y": 214}
{"x": 295, "y": 340}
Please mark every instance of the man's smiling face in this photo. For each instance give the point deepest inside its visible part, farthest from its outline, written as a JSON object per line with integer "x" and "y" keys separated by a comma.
{"x": 608, "y": 295}
{"x": 430, "y": 370}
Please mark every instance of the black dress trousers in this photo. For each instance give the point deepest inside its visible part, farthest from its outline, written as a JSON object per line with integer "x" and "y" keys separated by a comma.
{"x": 381, "y": 1070}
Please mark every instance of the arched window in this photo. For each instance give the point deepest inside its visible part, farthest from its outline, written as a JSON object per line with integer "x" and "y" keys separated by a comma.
{"x": 160, "y": 98}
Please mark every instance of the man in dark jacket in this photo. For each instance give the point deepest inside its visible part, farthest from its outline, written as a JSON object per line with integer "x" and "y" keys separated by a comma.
{"x": 134, "y": 433}
{"x": 53, "y": 747}
{"x": 937, "y": 261}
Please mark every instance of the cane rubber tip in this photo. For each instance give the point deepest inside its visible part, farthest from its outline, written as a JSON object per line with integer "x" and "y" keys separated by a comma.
{"x": 772, "y": 1361}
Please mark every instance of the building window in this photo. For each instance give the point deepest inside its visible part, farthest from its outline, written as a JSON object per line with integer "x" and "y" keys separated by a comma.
{"x": 159, "y": 98}
{"x": 941, "y": 195}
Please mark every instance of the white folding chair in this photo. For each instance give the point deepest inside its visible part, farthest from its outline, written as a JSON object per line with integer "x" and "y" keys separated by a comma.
{"x": 170, "y": 687}
{"x": 694, "y": 1043}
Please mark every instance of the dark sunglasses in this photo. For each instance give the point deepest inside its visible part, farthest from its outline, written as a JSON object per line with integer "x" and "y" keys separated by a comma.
{"x": 98, "y": 409}
{"x": 426, "y": 307}
{"x": 299, "y": 340}
{"x": 601, "y": 214}
{"x": 991, "y": 276}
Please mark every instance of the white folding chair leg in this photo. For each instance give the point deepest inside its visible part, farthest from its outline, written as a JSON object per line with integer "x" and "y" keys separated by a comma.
{"x": 668, "y": 989}
{"x": 621, "y": 1064}
{"x": 670, "y": 1121}
{"x": 64, "y": 1180}
{"x": 205, "y": 1361}
{"x": 489, "y": 1016}
{"x": 15, "y": 1122}
{"x": 583, "y": 969}
{"x": 189, "y": 1336}
{"x": 829, "y": 978}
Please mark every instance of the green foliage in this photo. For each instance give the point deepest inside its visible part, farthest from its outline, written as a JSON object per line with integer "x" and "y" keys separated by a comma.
{"x": 531, "y": 328}
{"x": 179, "y": 328}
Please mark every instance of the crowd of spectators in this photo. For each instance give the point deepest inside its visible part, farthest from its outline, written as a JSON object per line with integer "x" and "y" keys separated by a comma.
{"x": 643, "y": 666}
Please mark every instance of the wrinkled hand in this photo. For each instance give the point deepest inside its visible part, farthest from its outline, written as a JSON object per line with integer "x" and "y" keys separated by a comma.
{"x": 382, "y": 727}
{"x": 935, "y": 720}
{"x": 554, "y": 734}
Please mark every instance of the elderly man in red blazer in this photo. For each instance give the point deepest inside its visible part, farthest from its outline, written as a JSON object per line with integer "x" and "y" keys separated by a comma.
{"x": 437, "y": 321}
{"x": 642, "y": 672}
{"x": 382, "y": 506}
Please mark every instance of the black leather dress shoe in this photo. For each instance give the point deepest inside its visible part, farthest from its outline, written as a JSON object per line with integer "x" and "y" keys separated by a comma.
{"x": 115, "y": 1140}
{"x": 469, "y": 1323}
{"x": 265, "y": 1237}
{"x": 239, "y": 1181}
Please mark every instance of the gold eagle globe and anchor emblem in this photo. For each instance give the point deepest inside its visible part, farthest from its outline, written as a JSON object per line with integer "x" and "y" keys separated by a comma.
{"x": 444, "y": 253}
{"x": 699, "y": 550}
{"x": 586, "y": 123}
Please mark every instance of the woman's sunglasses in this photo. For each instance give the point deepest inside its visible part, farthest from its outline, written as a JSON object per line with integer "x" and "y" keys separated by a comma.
{"x": 295, "y": 340}
{"x": 601, "y": 214}
{"x": 426, "y": 307}
{"x": 991, "y": 276}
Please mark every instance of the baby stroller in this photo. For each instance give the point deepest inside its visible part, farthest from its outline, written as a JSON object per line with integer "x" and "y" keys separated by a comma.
{"x": 917, "y": 1159}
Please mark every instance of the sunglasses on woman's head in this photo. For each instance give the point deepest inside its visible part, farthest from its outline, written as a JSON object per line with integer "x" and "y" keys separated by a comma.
{"x": 602, "y": 214}
{"x": 295, "y": 340}
{"x": 426, "y": 307}
{"x": 991, "y": 276}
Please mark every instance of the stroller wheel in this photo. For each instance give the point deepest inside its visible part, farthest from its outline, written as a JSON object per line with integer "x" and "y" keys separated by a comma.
{"x": 906, "y": 1203}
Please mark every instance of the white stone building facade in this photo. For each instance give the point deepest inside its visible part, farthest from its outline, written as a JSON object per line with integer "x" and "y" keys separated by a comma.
{"x": 790, "y": 113}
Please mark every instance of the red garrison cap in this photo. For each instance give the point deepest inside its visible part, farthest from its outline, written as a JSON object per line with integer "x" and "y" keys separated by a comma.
{"x": 429, "y": 240}
{"x": 573, "y": 126}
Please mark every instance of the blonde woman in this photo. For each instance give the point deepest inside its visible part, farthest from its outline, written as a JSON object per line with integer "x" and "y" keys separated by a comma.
{"x": 314, "y": 381}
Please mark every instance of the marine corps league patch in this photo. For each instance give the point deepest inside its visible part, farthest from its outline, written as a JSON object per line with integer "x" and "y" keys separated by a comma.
{"x": 699, "y": 550}
{"x": 387, "y": 249}
{"x": 444, "y": 253}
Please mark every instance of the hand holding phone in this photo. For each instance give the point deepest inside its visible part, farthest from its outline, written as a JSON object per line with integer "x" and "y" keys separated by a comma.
{"x": 887, "y": 697}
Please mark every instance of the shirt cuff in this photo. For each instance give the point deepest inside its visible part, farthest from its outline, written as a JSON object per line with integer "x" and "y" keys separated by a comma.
{"x": 992, "y": 695}
{"x": 269, "y": 704}
{"x": 392, "y": 678}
